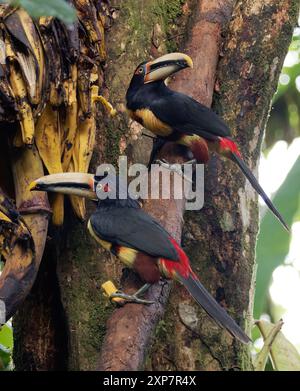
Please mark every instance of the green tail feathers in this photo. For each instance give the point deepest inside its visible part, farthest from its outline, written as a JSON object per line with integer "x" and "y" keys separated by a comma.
{"x": 213, "y": 309}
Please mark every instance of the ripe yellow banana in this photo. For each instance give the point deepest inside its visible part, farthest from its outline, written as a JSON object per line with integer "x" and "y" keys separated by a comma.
{"x": 53, "y": 76}
{"x": 24, "y": 34}
{"x": 78, "y": 203}
{"x": 92, "y": 25}
{"x": 20, "y": 92}
{"x": 25, "y": 111}
{"x": 81, "y": 158}
{"x": 70, "y": 125}
{"x": 47, "y": 136}
{"x": 37, "y": 48}
{"x": 84, "y": 143}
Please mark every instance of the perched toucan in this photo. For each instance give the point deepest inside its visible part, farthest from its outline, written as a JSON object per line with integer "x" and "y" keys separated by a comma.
{"x": 124, "y": 228}
{"x": 173, "y": 116}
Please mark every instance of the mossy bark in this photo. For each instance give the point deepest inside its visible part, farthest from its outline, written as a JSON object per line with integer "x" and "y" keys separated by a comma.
{"x": 220, "y": 239}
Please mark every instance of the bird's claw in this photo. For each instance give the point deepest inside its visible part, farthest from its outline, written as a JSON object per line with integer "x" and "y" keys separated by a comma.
{"x": 128, "y": 298}
{"x": 116, "y": 296}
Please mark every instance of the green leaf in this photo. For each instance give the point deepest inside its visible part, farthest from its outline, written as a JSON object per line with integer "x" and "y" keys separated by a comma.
{"x": 269, "y": 336}
{"x": 293, "y": 72}
{"x": 6, "y": 336}
{"x": 5, "y": 357}
{"x": 284, "y": 355}
{"x": 57, "y": 8}
{"x": 273, "y": 241}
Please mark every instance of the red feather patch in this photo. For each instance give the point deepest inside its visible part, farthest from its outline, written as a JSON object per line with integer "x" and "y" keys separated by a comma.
{"x": 226, "y": 144}
{"x": 182, "y": 267}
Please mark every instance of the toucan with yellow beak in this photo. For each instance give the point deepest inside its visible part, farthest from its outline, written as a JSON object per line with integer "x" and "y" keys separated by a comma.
{"x": 121, "y": 226}
{"x": 173, "y": 116}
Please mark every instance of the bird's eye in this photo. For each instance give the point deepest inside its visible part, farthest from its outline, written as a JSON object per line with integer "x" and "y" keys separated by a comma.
{"x": 139, "y": 71}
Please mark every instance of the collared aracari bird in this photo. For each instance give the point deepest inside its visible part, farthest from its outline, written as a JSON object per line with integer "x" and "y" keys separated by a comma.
{"x": 124, "y": 228}
{"x": 173, "y": 116}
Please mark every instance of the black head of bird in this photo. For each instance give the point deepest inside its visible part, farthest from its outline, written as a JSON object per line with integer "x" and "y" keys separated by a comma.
{"x": 112, "y": 190}
{"x": 157, "y": 71}
{"x": 108, "y": 190}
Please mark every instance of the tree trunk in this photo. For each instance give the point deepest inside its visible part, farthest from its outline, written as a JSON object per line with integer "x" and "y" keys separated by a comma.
{"x": 238, "y": 50}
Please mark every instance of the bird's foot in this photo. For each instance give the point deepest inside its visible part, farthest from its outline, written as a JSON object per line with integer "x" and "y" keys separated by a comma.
{"x": 121, "y": 298}
{"x": 176, "y": 167}
{"x": 129, "y": 298}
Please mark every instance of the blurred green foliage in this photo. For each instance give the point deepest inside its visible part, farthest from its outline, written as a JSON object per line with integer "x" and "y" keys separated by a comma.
{"x": 284, "y": 124}
{"x": 6, "y": 346}
{"x": 284, "y": 356}
{"x": 36, "y": 8}
{"x": 273, "y": 241}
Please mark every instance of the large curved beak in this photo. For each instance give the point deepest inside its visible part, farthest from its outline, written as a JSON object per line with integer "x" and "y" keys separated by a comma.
{"x": 75, "y": 183}
{"x": 166, "y": 65}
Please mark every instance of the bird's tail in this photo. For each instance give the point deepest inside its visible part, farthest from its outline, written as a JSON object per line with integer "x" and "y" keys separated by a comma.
{"x": 251, "y": 178}
{"x": 213, "y": 309}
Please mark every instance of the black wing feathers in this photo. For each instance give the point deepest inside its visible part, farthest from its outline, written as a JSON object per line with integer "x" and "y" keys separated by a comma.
{"x": 133, "y": 228}
{"x": 186, "y": 115}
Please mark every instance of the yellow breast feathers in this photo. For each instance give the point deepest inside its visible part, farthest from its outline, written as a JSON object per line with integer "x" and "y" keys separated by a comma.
{"x": 149, "y": 121}
{"x": 104, "y": 243}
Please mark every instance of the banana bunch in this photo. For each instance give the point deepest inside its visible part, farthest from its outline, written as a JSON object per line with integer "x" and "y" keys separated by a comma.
{"x": 50, "y": 77}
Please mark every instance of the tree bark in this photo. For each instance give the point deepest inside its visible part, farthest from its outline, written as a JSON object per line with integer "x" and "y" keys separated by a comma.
{"x": 252, "y": 39}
